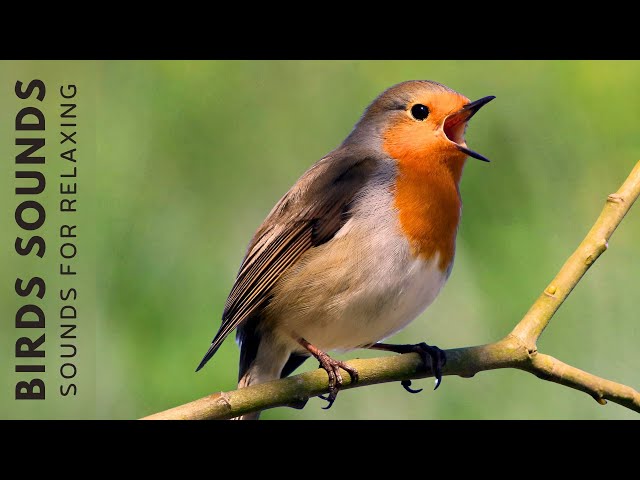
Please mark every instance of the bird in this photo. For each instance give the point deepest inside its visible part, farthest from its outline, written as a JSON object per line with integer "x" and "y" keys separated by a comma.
{"x": 359, "y": 246}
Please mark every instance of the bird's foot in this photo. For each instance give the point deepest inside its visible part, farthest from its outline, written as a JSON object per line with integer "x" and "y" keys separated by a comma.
{"x": 436, "y": 358}
{"x": 332, "y": 368}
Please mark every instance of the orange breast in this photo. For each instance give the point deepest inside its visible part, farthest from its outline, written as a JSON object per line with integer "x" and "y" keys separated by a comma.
{"x": 427, "y": 197}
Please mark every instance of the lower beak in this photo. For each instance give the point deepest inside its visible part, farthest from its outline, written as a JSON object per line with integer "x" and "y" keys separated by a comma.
{"x": 460, "y": 118}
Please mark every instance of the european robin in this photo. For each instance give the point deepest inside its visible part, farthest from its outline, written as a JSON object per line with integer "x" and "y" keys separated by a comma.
{"x": 360, "y": 245}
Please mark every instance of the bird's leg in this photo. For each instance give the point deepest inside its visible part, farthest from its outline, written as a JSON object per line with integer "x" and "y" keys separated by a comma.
{"x": 332, "y": 367}
{"x": 437, "y": 359}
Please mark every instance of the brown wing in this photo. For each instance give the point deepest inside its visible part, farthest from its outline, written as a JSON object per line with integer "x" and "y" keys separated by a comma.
{"x": 308, "y": 215}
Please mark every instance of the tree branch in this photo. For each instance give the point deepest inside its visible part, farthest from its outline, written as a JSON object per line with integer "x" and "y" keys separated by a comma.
{"x": 517, "y": 350}
{"x": 596, "y": 242}
{"x": 548, "y": 368}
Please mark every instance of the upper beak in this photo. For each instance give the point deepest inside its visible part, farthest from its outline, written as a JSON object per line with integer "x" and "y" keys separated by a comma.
{"x": 461, "y": 117}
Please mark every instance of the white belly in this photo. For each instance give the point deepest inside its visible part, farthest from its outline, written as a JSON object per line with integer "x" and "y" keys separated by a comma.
{"x": 380, "y": 307}
{"x": 359, "y": 288}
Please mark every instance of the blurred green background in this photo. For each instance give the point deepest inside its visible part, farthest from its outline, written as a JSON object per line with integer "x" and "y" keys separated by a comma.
{"x": 181, "y": 161}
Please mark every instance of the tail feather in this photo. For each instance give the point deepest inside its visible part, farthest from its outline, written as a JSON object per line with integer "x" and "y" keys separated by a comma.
{"x": 207, "y": 356}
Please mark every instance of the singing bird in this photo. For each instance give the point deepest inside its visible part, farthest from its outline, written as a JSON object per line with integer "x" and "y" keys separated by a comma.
{"x": 360, "y": 245}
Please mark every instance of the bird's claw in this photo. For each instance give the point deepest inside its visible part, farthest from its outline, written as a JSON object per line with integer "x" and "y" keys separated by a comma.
{"x": 332, "y": 367}
{"x": 330, "y": 397}
{"x": 406, "y": 384}
{"x": 431, "y": 355}
{"x": 437, "y": 358}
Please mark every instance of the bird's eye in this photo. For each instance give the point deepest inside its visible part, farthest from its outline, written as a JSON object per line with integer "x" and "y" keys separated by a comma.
{"x": 419, "y": 111}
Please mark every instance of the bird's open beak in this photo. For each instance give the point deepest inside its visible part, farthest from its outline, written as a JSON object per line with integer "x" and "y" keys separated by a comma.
{"x": 455, "y": 124}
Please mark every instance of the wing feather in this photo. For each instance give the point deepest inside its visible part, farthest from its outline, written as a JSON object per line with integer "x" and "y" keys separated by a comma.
{"x": 310, "y": 214}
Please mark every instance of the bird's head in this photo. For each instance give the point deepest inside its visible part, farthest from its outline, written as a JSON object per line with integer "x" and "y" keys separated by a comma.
{"x": 419, "y": 123}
